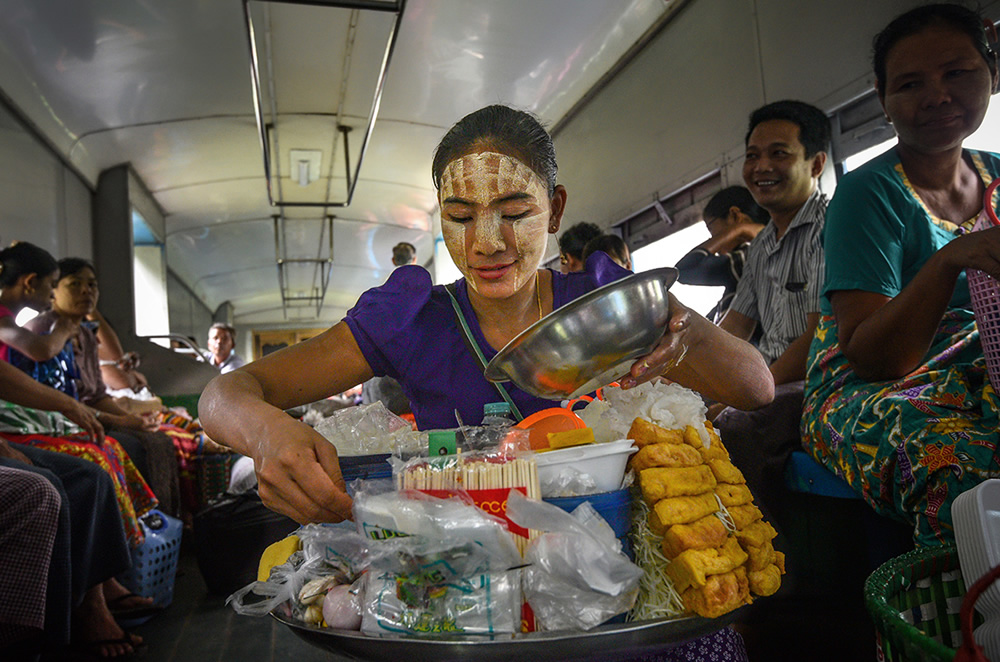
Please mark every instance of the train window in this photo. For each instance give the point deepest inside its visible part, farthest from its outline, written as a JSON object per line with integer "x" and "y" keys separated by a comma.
{"x": 152, "y": 317}
{"x": 865, "y": 155}
{"x": 666, "y": 252}
{"x": 26, "y": 315}
{"x": 987, "y": 137}
{"x": 663, "y": 233}
{"x": 860, "y": 131}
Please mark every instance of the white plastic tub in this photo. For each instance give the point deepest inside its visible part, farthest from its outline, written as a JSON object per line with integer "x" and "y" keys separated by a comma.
{"x": 605, "y": 463}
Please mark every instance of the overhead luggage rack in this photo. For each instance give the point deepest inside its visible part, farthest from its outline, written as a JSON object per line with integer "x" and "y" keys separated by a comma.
{"x": 269, "y": 129}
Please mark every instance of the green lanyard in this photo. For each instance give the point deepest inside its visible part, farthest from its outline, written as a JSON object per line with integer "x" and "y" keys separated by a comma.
{"x": 473, "y": 347}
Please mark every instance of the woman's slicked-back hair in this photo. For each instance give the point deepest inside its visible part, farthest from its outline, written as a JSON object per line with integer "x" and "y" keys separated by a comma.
{"x": 70, "y": 266}
{"x": 22, "y": 259}
{"x": 735, "y": 196}
{"x": 506, "y": 129}
{"x": 910, "y": 23}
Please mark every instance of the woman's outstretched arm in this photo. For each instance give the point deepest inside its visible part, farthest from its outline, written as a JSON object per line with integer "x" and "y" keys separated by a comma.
{"x": 297, "y": 469}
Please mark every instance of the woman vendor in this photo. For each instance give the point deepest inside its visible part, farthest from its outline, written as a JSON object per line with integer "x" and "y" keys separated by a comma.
{"x": 897, "y": 400}
{"x": 496, "y": 175}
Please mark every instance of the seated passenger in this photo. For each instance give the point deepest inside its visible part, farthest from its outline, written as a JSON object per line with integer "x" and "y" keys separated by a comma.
{"x": 779, "y": 289}
{"x": 572, "y": 243}
{"x": 91, "y": 547}
{"x": 897, "y": 397}
{"x": 29, "y": 519}
{"x": 82, "y": 598}
{"x": 76, "y": 371}
{"x": 222, "y": 347}
{"x": 27, "y": 274}
{"x": 119, "y": 368}
{"x": 496, "y": 232}
{"x": 733, "y": 219}
{"x": 614, "y": 246}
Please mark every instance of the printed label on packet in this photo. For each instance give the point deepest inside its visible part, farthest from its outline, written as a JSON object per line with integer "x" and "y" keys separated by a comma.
{"x": 493, "y": 501}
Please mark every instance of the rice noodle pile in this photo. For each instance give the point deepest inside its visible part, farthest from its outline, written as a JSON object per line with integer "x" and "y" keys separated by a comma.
{"x": 668, "y": 405}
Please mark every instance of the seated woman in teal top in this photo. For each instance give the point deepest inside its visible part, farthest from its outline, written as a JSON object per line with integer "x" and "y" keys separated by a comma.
{"x": 897, "y": 398}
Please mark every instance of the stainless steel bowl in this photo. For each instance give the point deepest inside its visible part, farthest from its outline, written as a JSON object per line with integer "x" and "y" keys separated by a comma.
{"x": 589, "y": 342}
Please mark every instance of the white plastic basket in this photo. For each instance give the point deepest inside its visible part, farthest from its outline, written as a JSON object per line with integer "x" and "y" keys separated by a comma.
{"x": 985, "y": 293}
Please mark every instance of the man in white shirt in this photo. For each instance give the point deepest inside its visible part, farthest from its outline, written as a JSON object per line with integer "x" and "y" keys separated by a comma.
{"x": 222, "y": 348}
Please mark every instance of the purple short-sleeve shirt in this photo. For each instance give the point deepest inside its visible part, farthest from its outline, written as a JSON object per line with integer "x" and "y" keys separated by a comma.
{"x": 407, "y": 330}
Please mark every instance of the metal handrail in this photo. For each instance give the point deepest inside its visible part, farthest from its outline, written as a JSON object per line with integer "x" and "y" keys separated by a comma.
{"x": 184, "y": 340}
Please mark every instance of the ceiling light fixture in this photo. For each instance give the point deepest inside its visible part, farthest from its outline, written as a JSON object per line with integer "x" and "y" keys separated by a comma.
{"x": 392, "y": 6}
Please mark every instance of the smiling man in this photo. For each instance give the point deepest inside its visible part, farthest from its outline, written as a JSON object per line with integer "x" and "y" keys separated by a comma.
{"x": 785, "y": 154}
{"x": 779, "y": 291}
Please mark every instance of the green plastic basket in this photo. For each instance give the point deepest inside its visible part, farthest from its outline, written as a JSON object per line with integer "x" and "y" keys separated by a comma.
{"x": 914, "y": 600}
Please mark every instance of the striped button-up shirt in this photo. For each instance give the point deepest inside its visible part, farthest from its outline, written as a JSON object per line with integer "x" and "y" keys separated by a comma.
{"x": 783, "y": 278}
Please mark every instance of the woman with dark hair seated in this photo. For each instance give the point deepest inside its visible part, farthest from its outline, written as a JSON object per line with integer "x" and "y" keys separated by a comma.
{"x": 27, "y": 273}
{"x": 614, "y": 246}
{"x": 571, "y": 245}
{"x": 76, "y": 371}
{"x": 734, "y": 219}
{"x": 897, "y": 400}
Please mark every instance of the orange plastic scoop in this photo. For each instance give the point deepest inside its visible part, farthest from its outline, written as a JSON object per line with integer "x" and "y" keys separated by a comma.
{"x": 554, "y": 419}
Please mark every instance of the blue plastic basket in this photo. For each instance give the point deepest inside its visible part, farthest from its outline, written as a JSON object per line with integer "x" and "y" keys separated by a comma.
{"x": 154, "y": 562}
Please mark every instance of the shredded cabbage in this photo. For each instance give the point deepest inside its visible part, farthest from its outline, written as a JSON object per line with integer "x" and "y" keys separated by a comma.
{"x": 657, "y": 596}
{"x": 723, "y": 514}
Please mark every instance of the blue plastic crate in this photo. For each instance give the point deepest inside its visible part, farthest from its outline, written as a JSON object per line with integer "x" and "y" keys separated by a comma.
{"x": 154, "y": 562}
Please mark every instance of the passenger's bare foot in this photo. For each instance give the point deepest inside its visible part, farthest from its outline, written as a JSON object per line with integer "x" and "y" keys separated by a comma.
{"x": 119, "y": 598}
{"x": 95, "y": 628}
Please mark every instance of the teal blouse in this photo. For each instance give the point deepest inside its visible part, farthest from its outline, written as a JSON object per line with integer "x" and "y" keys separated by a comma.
{"x": 879, "y": 233}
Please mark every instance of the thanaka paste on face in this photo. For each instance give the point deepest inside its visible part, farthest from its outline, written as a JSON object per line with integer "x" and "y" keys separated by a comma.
{"x": 481, "y": 179}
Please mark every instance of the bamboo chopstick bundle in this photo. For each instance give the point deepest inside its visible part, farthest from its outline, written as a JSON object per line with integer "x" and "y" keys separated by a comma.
{"x": 474, "y": 473}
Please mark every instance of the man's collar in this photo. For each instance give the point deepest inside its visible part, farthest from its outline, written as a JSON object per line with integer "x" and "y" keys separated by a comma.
{"x": 807, "y": 213}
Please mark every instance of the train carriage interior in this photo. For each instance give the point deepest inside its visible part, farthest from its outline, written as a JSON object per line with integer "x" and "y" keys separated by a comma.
{"x": 254, "y": 162}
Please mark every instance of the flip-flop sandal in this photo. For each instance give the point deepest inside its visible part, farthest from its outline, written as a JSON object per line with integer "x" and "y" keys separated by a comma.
{"x": 119, "y": 611}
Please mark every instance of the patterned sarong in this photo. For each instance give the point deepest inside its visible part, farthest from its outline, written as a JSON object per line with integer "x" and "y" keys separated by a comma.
{"x": 135, "y": 499}
{"x": 908, "y": 446}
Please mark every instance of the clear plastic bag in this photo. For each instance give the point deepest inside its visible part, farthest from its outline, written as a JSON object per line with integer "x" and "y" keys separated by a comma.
{"x": 488, "y": 604}
{"x": 484, "y": 477}
{"x": 388, "y": 515}
{"x": 334, "y": 554}
{"x": 424, "y": 586}
{"x": 370, "y": 429}
{"x": 668, "y": 404}
{"x": 567, "y": 482}
{"x": 578, "y": 576}
{"x": 436, "y": 566}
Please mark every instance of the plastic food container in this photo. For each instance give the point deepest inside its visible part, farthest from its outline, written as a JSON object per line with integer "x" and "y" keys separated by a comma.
{"x": 615, "y": 507}
{"x": 605, "y": 463}
{"x": 976, "y": 515}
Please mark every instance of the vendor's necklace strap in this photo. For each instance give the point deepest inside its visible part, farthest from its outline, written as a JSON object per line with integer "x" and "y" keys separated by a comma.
{"x": 474, "y": 348}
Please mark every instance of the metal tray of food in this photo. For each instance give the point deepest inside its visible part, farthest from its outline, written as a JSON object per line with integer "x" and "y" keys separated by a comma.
{"x": 607, "y": 642}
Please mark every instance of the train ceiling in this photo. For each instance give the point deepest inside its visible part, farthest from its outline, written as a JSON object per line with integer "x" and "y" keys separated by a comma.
{"x": 167, "y": 87}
